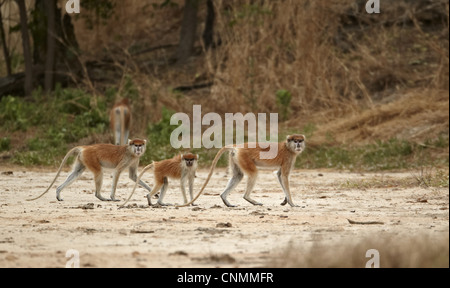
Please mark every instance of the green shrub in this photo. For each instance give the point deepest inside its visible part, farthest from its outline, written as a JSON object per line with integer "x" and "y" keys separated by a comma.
{"x": 59, "y": 119}
{"x": 284, "y": 98}
{"x": 393, "y": 154}
{"x": 15, "y": 113}
{"x": 159, "y": 138}
{"x": 5, "y": 144}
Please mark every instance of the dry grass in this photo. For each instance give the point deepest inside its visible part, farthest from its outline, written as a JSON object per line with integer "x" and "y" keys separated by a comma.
{"x": 276, "y": 46}
{"x": 363, "y": 80}
{"x": 427, "y": 177}
{"x": 306, "y": 47}
{"x": 354, "y": 76}
{"x": 394, "y": 251}
{"x": 416, "y": 116}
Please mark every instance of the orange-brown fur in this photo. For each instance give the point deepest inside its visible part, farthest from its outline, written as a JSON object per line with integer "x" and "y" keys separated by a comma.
{"x": 120, "y": 121}
{"x": 249, "y": 158}
{"x": 174, "y": 168}
{"x": 246, "y": 160}
{"x": 167, "y": 168}
{"x": 98, "y": 157}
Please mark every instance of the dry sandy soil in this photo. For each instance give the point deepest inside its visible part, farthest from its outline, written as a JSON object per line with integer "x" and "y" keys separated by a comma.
{"x": 39, "y": 233}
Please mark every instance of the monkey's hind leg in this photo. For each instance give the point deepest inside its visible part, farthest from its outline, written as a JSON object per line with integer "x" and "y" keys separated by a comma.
{"x": 133, "y": 176}
{"x": 250, "y": 185}
{"x": 98, "y": 177}
{"x": 77, "y": 170}
{"x": 234, "y": 181}
{"x": 162, "y": 194}
{"x": 155, "y": 190}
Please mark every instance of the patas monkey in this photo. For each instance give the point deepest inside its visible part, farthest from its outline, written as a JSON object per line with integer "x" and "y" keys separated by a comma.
{"x": 120, "y": 120}
{"x": 245, "y": 160}
{"x": 98, "y": 157}
{"x": 181, "y": 167}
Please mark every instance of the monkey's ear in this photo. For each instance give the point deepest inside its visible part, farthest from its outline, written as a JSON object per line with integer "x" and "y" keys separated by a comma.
{"x": 145, "y": 142}
{"x": 198, "y": 157}
{"x": 288, "y": 138}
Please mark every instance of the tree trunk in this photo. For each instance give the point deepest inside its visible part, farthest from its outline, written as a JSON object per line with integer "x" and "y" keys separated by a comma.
{"x": 28, "y": 86}
{"x": 54, "y": 45}
{"x": 5, "y": 46}
{"x": 188, "y": 31}
{"x": 51, "y": 45}
{"x": 208, "y": 34}
{"x": 39, "y": 33}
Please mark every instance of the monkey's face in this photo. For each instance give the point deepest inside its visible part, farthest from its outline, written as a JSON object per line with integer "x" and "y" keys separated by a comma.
{"x": 296, "y": 143}
{"x": 137, "y": 147}
{"x": 190, "y": 160}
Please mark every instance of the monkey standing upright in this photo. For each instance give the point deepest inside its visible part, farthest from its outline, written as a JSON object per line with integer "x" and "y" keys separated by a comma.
{"x": 245, "y": 160}
{"x": 181, "y": 167}
{"x": 98, "y": 157}
{"x": 120, "y": 121}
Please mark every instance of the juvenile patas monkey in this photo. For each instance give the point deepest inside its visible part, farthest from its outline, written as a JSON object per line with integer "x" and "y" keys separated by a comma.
{"x": 120, "y": 120}
{"x": 245, "y": 160}
{"x": 181, "y": 167}
{"x": 98, "y": 157}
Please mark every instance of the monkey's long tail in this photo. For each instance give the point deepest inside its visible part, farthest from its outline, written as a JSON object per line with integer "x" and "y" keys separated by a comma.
{"x": 74, "y": 150}
{"x": 137, "y": 181}
{"x": 213, "y": 166}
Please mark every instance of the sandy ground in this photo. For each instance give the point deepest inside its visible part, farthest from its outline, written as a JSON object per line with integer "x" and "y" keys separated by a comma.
{"x": 40, "y": 233}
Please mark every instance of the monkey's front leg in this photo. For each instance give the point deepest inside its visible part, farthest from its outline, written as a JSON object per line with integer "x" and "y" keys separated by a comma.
{"x": 191, "y": 189}
{"x": 183, "y": 189}
{"x": 282, "y": 187}
{"x": 287, "y": 192}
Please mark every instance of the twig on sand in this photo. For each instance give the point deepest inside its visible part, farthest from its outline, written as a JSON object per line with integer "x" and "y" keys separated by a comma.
{"x": 365, "y": 223}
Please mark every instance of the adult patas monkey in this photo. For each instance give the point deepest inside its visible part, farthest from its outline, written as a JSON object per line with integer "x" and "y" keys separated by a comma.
{"x": 120, "y": 121}
{"x": 246, "y": 160}
{"x": 181, "y": 167}
{"x": 98, "y": 157}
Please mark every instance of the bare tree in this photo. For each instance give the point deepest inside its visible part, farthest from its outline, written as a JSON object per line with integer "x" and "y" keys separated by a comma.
{"x": 26, "y": 47}
{"x": 208, "y": 33}
{"x": 188, "y": 31}
{"x": 51, "y": 45}
{"x": 4, "y": 44}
